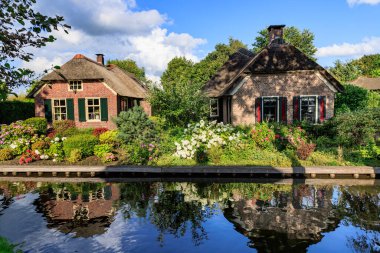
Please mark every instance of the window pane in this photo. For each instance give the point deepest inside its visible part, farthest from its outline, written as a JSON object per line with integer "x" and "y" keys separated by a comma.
{"x": 90, "y": 102}
{"x": 96, "y": 101}
{"x": 270, "y": 109}
{"x": 308, "y": 109}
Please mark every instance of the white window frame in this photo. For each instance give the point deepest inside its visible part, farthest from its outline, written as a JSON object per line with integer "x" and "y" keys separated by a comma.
{"x": 100, "y": 110}
{"x": 217, "y": 107}
{"x": 316, "y": 107}
{"x": 278, "y": 107}
{"x": 81, "y": 85}
{"x": 53, "y": 107}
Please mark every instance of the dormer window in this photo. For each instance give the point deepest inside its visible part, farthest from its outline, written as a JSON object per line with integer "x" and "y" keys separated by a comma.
{"x": 75, "y": 85}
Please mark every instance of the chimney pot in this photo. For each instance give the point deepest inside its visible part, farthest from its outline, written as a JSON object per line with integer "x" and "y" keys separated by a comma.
{"x": 276, "y": 34}
{"x": 100, "y": 58}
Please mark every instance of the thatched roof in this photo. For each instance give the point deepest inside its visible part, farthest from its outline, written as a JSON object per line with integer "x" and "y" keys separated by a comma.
{"x": 83, "y": 68}
{"x": 367, "y": 82}
{"x": 275, "y": 58}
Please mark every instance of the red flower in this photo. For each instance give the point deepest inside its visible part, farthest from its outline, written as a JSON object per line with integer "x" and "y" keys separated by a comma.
{"x": 277, "y": 136}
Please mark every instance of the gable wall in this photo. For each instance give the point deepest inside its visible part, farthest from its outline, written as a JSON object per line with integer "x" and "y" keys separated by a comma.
{"x": 288, "y": 85}
{"x": 90, "y": 89}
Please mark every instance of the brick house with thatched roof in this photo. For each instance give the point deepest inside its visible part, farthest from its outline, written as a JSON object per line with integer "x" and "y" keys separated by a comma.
{"x": 278, "y": 84}
{"x": 88, "y": 92}
{"x": 369, "y": 83}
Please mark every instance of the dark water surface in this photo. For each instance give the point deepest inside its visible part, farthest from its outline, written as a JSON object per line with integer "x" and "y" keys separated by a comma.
{"x": 189, "y": 217}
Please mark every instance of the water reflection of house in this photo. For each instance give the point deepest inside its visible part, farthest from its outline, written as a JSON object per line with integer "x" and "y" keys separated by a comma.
{"x": 288, "y": 222}
{"x": 84, "y": 215}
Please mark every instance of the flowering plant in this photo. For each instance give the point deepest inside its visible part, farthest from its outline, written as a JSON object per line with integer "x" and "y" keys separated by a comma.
{"x": 142, "y": 154}
{"x": 28, "y": 157}
{"x": 263, "y": 135}
{"x": 109, "y": 157}
{"x": 207, "y": 135}
{"x": 14, "y": 132}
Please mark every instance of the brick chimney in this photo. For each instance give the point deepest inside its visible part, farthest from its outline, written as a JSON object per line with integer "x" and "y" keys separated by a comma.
{"x": 276, "y": 34}
{"x": 100, "y": 58}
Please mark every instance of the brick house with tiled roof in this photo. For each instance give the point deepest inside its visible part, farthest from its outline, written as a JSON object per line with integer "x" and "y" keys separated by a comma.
{"x": 88, "y": 92}
{"x": 278, "y": 84}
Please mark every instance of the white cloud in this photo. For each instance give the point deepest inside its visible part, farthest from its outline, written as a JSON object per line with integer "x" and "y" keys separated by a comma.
{"x": 116, "y": 28}
{"x": 357, "y": 2}
{"x": 155, "y": 50}
{"x": 367, "y": 46}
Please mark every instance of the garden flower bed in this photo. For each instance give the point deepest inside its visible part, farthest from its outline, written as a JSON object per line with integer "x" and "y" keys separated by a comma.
{"x": 140, "y": 140}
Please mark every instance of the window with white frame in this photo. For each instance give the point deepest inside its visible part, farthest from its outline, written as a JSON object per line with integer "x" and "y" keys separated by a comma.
{"x": 75, "y": 85}
{"x": 309, "y": 108}
{"x": 59, "y": 109}
{"x": 214, "y": 107}
{"x": 93, "y": 108}
{"x": 270, "y": 109}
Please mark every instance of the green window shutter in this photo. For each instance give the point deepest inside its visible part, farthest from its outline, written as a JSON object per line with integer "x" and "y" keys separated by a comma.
{"x": 104, "y": 109}
{"x": 48, "y": 112}
{"x": 82, "y": 109}
{"x": 70, "y": 108}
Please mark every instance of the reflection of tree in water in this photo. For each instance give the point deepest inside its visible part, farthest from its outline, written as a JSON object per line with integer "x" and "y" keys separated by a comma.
{"x": 11, "y": 190}
{"x": 134, "y": 198}
{"x": 287, "y": 220}
{"x": 172, "y": 214}
{"x": 360, "y": 206}
{"x": 83, "y": 209}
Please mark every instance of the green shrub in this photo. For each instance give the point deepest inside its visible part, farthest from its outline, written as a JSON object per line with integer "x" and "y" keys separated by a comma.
{"x": 6, "y": 154}
{"x": 135, "y": 127}
{"x": 11, "y": 111}
{"x": 215, "y": 154}
{"x": 109, "y": 137}
{"x": 351, "y": 99}
{"x": 70, "y": 132}
{"x": 358, "y": 128}
{"x": 325, "y": 142}
{"x": 40, "y": 145}
{"x": 61, "y": 126}
{"x": 102, "y": 149}
{"x": 56, "y": 151}
{"x": 39, "y": 124}
{"x": 141, "y": 154}
{"x": 84, "y": 142}
{"x": 75, "y": 156}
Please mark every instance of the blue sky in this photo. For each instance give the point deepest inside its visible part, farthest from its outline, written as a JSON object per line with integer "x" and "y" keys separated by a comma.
{"x": 152, "y": 32}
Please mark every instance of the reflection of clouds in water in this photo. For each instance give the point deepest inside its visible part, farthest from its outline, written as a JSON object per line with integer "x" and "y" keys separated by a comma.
{"x": 112, "y": 239}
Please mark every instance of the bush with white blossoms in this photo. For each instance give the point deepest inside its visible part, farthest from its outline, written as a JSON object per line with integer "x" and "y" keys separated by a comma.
{"x": 207, "y": 134}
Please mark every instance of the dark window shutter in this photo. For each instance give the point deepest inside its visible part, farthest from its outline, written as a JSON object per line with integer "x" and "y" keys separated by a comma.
{"x": 70, "y": 108}
{"x": 82, "y": 109}
{"x": 296, "y": 108}
{"x": 258, "y": 109}
{"x": 321, "y": 108}
{"x": 283, "y": 110}
{"x": 104, "y": 109}
{"x": 48, "y": 112}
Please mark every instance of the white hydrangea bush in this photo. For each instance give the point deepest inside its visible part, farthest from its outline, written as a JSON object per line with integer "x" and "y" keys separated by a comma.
{"x": 207, "y": 134}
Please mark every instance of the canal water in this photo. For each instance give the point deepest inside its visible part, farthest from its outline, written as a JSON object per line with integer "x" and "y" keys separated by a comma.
{"x": 188, "y": 217}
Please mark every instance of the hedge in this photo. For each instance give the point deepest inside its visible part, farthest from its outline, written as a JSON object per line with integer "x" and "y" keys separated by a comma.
{"x": 11, "y": 111}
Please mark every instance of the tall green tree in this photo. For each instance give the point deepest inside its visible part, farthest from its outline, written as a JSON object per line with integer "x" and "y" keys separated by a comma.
{"x": 22, "y": 27}
{"x": 345, "y": 72}
{"x": 131, "y": 67}
{"x": 209, "y": 66}
{"x": 303, "y": 40}
{"x": 369, "y": 65}
{"x": 179, "y": 104}
{"x": 178, "y": 72}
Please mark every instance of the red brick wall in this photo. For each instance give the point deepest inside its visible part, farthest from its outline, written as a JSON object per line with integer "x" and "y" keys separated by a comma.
{"x": 287, "y": 85}
{"x": 90, "y": 89}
